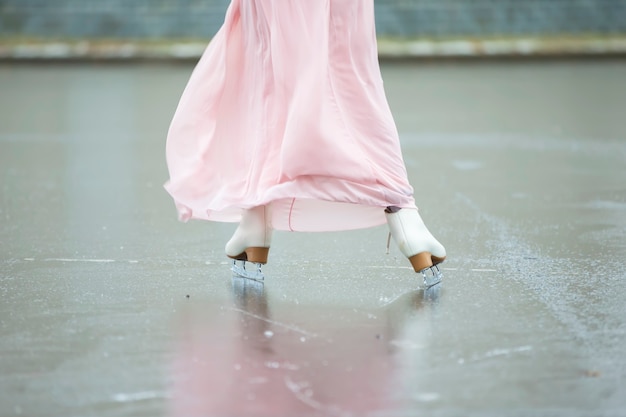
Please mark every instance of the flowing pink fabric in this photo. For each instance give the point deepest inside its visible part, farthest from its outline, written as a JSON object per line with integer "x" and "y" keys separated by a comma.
{"x": 287, "y": 107}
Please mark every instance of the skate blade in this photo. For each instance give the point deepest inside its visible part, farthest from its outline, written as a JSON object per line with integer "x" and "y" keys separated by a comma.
{"x": 432, "y": 276}
{"x": 239, "y": 269}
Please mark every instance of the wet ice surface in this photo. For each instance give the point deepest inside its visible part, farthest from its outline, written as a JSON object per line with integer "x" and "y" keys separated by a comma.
{"x": 110, "y": 307}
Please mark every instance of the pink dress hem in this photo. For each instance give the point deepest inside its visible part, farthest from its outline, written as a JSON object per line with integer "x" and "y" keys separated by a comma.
{"x": 287, "y": 108}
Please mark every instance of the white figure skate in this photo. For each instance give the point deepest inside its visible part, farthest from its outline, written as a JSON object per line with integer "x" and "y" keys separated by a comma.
{"x": 416, "y": 243}
{"x": 251, "y": 243}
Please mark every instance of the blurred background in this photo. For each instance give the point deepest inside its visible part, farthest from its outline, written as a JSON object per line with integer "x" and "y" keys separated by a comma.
{"x": 511, "y": 115}
{"x": 180, "y": 28}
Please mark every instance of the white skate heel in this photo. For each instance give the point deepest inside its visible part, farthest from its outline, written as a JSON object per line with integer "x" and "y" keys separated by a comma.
{"x": 416, "y": 243}
{"x": 251, "y": 243}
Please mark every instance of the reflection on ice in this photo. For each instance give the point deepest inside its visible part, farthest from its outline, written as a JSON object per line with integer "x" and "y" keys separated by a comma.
{"x": 276, "y": 359}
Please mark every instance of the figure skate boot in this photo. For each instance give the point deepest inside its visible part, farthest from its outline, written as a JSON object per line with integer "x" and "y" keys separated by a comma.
{"x": 416, "y": 243}
{"x": 251, "y": 242}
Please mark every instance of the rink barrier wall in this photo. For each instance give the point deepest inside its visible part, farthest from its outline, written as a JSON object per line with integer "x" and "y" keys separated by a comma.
{"x": 387, "y": 48}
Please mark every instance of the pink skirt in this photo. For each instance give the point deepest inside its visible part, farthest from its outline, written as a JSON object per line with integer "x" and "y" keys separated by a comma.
{"x": 287, "y": 107}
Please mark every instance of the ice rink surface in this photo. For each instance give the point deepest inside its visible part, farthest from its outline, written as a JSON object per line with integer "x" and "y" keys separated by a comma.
{"x": 111, "y": 307}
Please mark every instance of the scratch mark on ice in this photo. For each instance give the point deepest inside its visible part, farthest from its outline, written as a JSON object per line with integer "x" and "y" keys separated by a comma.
{"x": 136, "y": 396}
{"x": 130, "y": 261}
{"x": 78, "y": 260}
{"x": 276, "y": 323}
{"x": 304, "y": 393}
